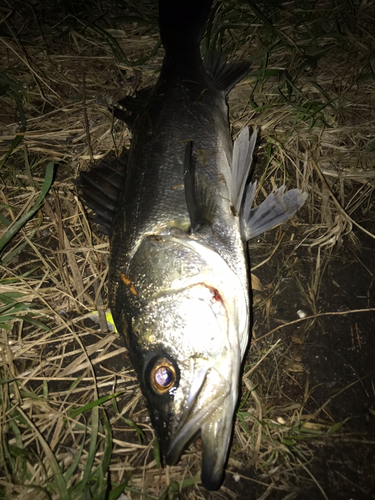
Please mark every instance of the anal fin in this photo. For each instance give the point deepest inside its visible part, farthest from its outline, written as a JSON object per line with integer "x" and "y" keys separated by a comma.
{"x": 275, "y": 209}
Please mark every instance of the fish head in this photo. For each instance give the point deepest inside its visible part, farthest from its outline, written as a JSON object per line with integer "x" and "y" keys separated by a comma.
{"x": 184, "y": 343}
{"x": 190, "y": 374}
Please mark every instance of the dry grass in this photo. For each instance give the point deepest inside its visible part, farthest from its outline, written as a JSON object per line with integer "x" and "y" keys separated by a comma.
{"x": 72, "y": 418}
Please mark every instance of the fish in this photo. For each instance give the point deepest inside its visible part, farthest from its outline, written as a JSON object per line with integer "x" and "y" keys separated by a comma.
{"x": 178, "y": 268}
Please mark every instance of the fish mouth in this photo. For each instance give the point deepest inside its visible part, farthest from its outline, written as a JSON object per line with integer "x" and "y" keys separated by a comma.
{"x": 212, "y": 421}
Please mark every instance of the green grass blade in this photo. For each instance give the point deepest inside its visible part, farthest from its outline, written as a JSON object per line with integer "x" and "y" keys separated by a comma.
{"x": 58, "y": 476}
{"x": 263, "y": 18}
{"x": 93, "y": 404}
{"x": 156, "y": 450}
{"x": 8, "y": 297}
{"x": 9, "y": 256}
{"x": 22, "y": 118}
{"x": 13, "y": 146}
{"x": 6, "y": 381}
{"x": 22, "y": 221}
{"x": 92, "y": 450}
{"x": 107, "y": 444}
{"x": 72, "y": 467}
{"x": 9, "y": 281}
{"x": 117, "y": 490}
{"x": 4, "y": 221}
{"x": 4, "y": 80}
{"x": 36, "y": 323}
{"x": 14, "y": 308}
{"x": 137, "y": 429}
{"x": 6, "y": 326}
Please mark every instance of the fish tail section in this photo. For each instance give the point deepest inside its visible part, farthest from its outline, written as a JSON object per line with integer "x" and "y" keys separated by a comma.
{"x": 99, "y": 189}
{"x": 275, "y": 209}
{"x": 182, "y": 23}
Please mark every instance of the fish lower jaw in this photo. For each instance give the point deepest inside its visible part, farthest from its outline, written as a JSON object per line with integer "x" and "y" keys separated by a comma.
{"x": 213, "y": 424}
{"x": 188, "y": 433}
{"x": 211, "y": 476}
{"x": 172, "y": 456}
{"x": 213, "y": 459}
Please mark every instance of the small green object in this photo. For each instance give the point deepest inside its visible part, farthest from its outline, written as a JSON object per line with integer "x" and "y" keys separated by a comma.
{"x": 94, "y": 404}
{"x": 157, "y": 453}
{"x": 94, "y": 316}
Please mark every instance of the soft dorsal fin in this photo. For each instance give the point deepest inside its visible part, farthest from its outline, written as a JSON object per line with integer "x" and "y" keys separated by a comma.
{"x": 225, "y": 74}
{"x": 132, "y": 106}
{"x": 242, "y": 159}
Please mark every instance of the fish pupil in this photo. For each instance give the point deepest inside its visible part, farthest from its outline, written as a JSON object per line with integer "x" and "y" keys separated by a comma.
{"x": 163, "y": 376}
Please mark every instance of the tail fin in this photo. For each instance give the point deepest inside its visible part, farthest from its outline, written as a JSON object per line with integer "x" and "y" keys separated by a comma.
{"x": 182, "y": 23}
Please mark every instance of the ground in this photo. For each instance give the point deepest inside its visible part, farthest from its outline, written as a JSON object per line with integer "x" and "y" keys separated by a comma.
{"x": 73, "y": 422}
{"x": 328, "y": 360}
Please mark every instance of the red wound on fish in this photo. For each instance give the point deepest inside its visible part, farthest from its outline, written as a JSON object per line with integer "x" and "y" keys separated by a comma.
{"x": 215, "y": 294}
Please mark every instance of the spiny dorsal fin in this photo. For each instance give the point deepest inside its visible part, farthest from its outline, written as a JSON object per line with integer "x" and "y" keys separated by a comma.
{"x": 225, "y": 74}
{"x": 100, "y": 188}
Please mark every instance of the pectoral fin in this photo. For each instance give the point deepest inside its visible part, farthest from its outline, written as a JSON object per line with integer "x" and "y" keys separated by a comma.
{"x": 132, "y": 106}
{"x": 199, "y": 200}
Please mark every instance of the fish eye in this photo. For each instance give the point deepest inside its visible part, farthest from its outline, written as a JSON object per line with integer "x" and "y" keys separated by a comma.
{"x": 163, "y": 376}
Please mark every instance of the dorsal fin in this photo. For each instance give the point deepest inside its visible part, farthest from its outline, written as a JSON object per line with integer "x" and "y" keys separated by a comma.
{"x": 100, "y": 187}
{"x": 132, "y": 106}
